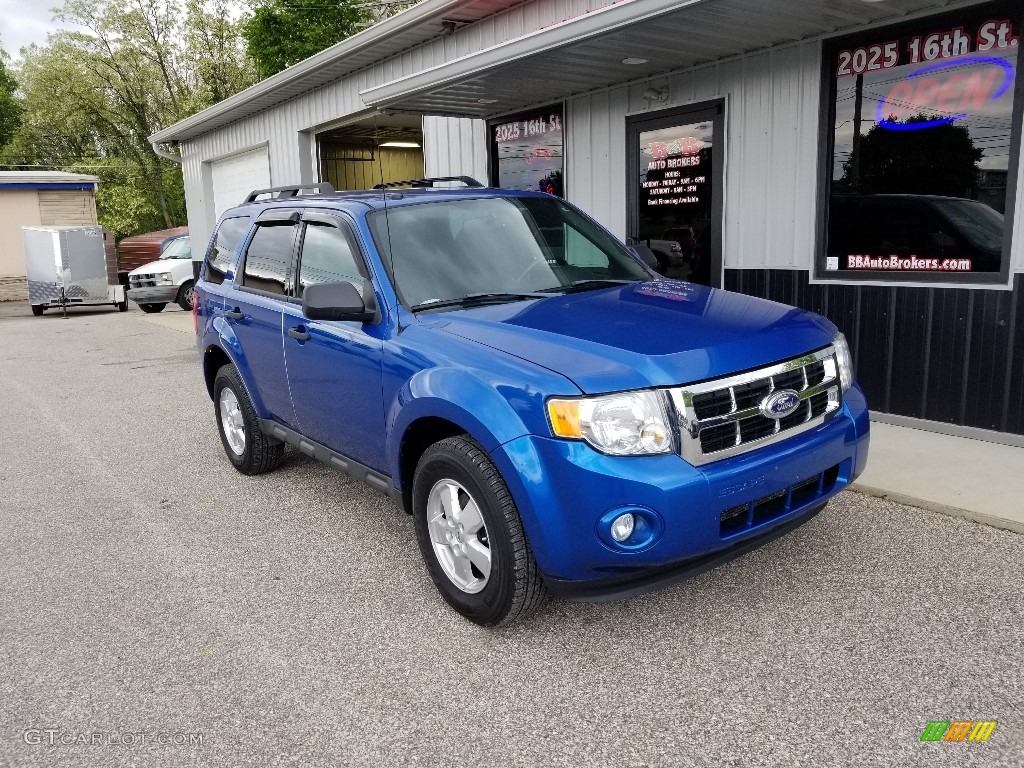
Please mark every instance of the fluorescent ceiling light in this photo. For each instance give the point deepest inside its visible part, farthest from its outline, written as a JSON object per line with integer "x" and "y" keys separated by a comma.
{"x": 403, "y": 144}
{"x": 634, "y": 60}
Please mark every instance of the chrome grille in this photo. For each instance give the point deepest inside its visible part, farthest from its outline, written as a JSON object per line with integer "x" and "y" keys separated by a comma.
{"x": 724, "y": 417}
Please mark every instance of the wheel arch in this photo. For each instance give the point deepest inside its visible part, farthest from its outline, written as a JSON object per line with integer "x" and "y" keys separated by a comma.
{"x": 417, "y": 438}
{"x": 214, "y": 358}
{"x": 441, "y": 404}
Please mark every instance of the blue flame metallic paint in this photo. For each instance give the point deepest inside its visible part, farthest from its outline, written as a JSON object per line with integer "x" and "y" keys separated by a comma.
{"x": 489, "y": 370}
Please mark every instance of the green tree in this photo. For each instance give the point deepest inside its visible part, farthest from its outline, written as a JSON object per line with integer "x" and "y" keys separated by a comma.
{"x": 284, "y": 32}
{"x": 941, "y": 160}
{"x": 10, "y": 105}
{"x": 93, "y": 97}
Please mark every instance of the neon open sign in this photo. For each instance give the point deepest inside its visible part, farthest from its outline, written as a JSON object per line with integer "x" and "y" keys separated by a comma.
{"x": 956, "y": 95}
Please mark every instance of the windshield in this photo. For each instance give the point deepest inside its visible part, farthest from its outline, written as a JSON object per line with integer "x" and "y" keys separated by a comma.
{"x": 981, "y": 225}
{"x": 179, "y": 248}
{"x": 448, "y": 249}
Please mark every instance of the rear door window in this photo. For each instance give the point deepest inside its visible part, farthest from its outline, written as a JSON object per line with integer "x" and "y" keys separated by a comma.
{"x": 221, "y": 258}
{"x": 268, "y": 258}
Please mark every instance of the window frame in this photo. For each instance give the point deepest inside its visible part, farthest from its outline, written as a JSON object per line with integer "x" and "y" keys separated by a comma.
{"x": 1001, "y": 280}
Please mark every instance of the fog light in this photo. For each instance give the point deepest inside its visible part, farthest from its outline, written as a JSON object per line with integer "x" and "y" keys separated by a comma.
{"x": 622, "y": 526}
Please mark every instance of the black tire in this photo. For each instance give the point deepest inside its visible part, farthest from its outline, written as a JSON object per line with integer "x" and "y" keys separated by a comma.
{"x": 514, "y": 587}
{"x": 122, "y": 306}
{"x": 151, "y": 308}
{"x": 37, "y": 309}
{"x": 185, "y": 296}
{"x": 260, "y": 453}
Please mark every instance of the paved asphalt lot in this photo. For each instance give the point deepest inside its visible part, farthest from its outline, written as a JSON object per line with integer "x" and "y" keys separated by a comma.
{"x": 146, "y": 587}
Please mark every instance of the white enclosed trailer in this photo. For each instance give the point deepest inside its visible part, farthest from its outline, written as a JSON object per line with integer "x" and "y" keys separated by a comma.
{"x": 70, "y": 267}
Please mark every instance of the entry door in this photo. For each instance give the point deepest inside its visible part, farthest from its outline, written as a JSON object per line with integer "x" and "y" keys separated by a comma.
{"x": 674, "y": 189}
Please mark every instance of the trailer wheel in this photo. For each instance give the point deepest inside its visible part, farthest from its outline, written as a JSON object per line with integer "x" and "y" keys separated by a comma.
{"x": 37, "y": 309}
{"x": 122, "y": 306}
{"x": 151, "y": 308}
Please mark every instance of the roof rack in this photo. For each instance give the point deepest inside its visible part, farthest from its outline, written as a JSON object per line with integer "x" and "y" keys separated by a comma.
{"x": 469, "y": 181}
{"x": 278, "y": 193}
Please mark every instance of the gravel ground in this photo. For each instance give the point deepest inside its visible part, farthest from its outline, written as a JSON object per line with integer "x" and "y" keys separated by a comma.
{"x": 147, "y": 588}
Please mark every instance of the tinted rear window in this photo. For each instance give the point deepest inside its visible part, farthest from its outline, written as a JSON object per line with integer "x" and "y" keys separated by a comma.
{"x": 221, "y": 257}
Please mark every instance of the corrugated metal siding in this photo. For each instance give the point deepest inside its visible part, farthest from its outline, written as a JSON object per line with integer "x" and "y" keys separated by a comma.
{"x": 949, "y": 355}
{"x": 282, "y": 125}
{"x": 64, "y": 207}
{"x": 455, "y": 147}
{"x": 771, "y": 127}
{"x": 350, "y": 167}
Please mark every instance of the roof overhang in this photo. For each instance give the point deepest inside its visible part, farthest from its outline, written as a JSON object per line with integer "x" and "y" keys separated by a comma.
{"x": 47, "y": 180}
{"x": 408, "y": 29}
{"x": 585, "y": 53}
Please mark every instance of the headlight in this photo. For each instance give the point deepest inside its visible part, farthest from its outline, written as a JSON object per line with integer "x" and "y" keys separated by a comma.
{"x": 844, "y": 360}
{"x": 165, "y": 278}
{"x": 626, "y": 424}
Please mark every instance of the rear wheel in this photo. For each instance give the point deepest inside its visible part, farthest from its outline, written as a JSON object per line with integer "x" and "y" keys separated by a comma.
{"x": 471, "y": 536}
{"x": 37, "y": 309}
{"x": 122, "y": 306}
{"x": 248, "y": 449}
{"x": 151, "y": 308}
{"x": 186, "y": 295}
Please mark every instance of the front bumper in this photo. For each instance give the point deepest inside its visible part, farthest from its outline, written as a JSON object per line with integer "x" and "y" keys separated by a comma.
{"x": 566, "y": 492}
{"x": 157, "y": 294}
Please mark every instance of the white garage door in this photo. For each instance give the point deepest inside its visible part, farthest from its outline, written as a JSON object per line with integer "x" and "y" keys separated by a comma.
{"x": 235, "y": 177}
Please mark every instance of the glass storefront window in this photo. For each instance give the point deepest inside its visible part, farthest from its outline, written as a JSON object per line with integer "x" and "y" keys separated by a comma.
{"x": 924, "y": 142}
{"x": 527, "y": 151}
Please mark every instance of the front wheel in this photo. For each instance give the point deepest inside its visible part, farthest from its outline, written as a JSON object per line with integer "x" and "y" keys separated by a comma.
{"x": 151, "y": 308}
{"x": 249, "y": 450}
{"x": 471, "y": 536}
{"x": 186, "y": 295}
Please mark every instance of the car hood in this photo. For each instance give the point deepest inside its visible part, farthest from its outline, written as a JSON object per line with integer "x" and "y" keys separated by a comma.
{"x": 651, "y": 334}
{"x": 159, "y": 266}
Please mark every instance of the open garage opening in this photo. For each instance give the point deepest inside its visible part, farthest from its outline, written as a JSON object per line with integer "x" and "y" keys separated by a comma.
{"x": 375, "y": 150}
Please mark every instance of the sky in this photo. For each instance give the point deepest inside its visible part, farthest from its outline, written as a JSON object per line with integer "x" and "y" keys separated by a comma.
{"x": 23, "y": 22}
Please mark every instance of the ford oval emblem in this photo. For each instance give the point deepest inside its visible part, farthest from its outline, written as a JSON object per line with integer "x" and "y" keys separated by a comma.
{"x": 780, "y": 404}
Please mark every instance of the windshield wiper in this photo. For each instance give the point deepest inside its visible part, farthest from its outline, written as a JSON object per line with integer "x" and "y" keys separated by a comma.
{"x": 576, "y": 286}
{"x": 475, "y": 298}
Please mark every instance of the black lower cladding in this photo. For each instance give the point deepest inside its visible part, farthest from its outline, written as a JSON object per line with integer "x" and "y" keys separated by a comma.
{"x": 641, "y": 582}
{"x": 952, "y": 355}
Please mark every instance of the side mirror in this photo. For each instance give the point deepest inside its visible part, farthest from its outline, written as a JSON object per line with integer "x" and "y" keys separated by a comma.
{"x": 335, "y": 301}
{"x": 646, "y": 255}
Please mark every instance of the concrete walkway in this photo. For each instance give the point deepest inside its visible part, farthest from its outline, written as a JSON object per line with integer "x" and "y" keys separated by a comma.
{"x": 958, "y": 476}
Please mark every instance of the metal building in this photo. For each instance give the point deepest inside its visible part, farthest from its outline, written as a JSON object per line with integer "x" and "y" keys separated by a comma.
{"x": 762, "y": 137}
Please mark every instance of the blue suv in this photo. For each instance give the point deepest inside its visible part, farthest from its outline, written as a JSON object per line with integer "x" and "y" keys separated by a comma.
{"x": 557, "y": 417}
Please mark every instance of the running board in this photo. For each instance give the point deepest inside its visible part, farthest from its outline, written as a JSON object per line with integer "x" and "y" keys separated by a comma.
{"x": 350, "y": 467}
